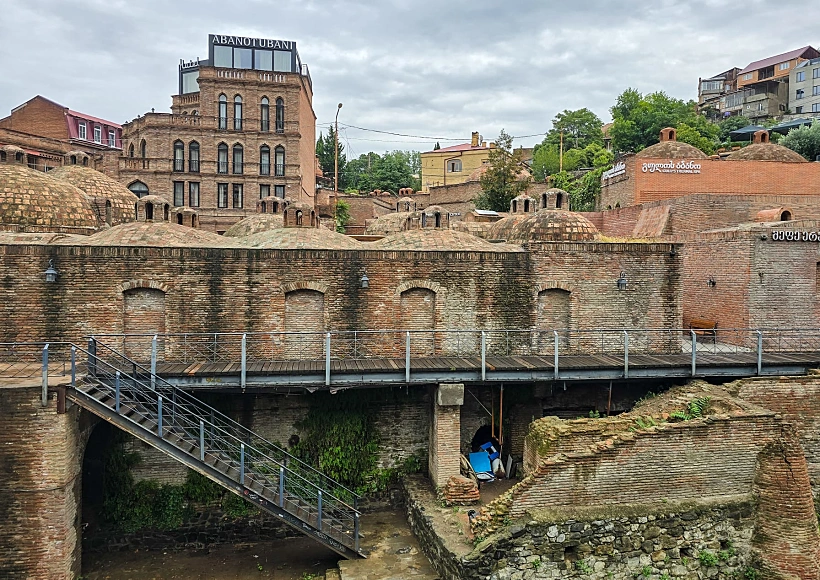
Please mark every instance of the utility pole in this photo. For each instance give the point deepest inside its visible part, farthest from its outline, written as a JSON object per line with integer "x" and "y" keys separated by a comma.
{"x": 561, "y": 153}
{"x": 336, "y": 168}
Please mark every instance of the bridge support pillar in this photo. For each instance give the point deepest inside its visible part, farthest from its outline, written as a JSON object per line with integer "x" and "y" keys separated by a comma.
{"x": 445, "y": 433}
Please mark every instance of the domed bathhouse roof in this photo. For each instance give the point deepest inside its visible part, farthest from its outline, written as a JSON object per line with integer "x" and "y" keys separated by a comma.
{"x": 391, "y": 223}
{"x": 670, "y": 148}
{"x": 554, "y": 225}
{"x": 766, "y": 152}
{"x": 439, "y": 240}
{"x": 156, "y": 233}
{"x": 102, "y": 191}
{"x": 254, "y": 224}
{"x": 502, "y": 229}
{"x": 300, "y": 238}
{"x": 33, "y": 201}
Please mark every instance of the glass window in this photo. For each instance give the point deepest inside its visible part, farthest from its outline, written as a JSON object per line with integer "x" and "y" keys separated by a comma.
{"x": 82, "y": 132}
{"x": 454, "y": 166}
{"x": 238, "y": 155}
{"x": 223, "y": 56}
{"x": 97, "y": 134}
{"x": 193, "y": 194}
{"x": 112, "y": 139}
{"x": 179, "y": 193}
{"x": 221, "y": 195}
{"x": 279, "y": 191}
{"x": 189, "y": 82}
{"x": 801, "y": 76}
{"x": 222, "y": 158}
{"x": 237, "y": 113}
{"x": 193, "y": 157}
{"x": 747, "y": 77}
{"x": 264, "y": 160}
{"x": 798, "y": 94}
{"x": 264, "y": 114}
{"x": 281, "y": 61}
{"x": 784, "y": 65}
{"x": 237, "y": 195}
{"x": 139, "y": 189}
{"x": 223, "y": 112}
{"x": 815, "y": 90}
{"x": 264, "y": 190}
{"x": 279, "y": 170}
{"x": 815, "y": 73}
{"x": 143, "y": 149}
{"x": 179, "y": 156}
{"x": 242, "y": 58}
{"x": 263, "y": 60}
{"x": 798, "y": 110}
{"x": 815, "y": 108}
{"x": 280, "y": 115}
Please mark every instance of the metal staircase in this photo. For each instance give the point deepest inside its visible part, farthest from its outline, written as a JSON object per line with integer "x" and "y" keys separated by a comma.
{"x": 129, "y": 396}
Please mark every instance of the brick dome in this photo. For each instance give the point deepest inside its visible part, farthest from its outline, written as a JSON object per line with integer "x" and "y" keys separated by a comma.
{"x": 390, "y": 223}
{"x": 439, "y": 240}
{"x": 33, "y": 201}
{"x": 155, "y": 233}
{"x": 766, "y": 152}
{"x": 100, "y": 188}
{"x": 300, "y": 239}
{"x": 254, "y": 224}
{"x": 502, "y": 229}
{"x": 671, "y": 150}
{"x": 554, "y": 225}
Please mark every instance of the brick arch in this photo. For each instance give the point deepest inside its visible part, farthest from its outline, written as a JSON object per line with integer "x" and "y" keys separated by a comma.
{"x": 152, "y": 284}
{"x": 305, "y": 285}
{"x": 555, "y": 285}
{"x": 430, "y": 285}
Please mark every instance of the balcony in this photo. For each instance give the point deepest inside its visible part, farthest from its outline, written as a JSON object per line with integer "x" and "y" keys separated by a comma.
{"x": 246, "y": 124}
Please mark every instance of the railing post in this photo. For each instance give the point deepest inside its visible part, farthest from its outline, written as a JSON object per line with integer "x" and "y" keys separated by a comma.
{"x": 320, "y": 510}
{"x": 244, "y": 361}
{"x": 407, "y": 360}
{"x": 201, "y": 440}
{"x": 555, "y": 355}
{"x": 626, "y": 354}
{"x": 281, "y": 487}
{"x": 759, "y": 353}
{"x": 73, "y": 366}
{"x": 117, "y": 392}
{"x": 45, "y": 376}
{"x": 154, "y": 363}
{"x": 694, "y": 352}
{"x": 159, "y": 416}
{"x": 327, "y": 359}
{"x": 92, "y": 356}
{"x": 242, "y": 464}
{"x": 483, "y": 355}
{"x": 356, "y": 532}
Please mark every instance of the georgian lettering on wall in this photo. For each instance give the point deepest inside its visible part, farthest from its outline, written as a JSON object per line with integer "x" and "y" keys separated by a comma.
{"x": 671, "y": 166}
{"x": 618, "y": 169}
{"x": 795, "y": 236}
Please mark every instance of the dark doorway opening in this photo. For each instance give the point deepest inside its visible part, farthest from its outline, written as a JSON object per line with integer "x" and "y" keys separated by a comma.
{"x": 96, "y": 452}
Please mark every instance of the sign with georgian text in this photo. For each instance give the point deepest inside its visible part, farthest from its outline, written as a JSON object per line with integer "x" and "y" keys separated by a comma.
{"x": 617, "y": 169}
{"x": 795, "y": 236}
{"x": 671, "y": 166}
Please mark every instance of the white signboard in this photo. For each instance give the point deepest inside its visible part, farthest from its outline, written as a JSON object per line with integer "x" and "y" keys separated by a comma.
{"x": 794, "y": 236}
{"x": 671, "y": 166}
{"x": 618, "y": 169}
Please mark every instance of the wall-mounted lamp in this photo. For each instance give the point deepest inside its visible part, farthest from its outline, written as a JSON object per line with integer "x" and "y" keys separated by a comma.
{"x": 51, "y": 273}
{"x": 622, "y": 281}
{"x": 711, "y": 282}
{"x": 365, "y": 281}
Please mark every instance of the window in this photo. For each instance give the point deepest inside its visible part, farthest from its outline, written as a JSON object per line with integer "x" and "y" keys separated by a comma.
{"x": 223, "y": 56}
{"x": 264, "y": 190}
{"x": 221, "y": 195}
{"x": 815, "y": 90}
{"x": 815, "y": 108}
{"x": 238, "y": 155}
{"x": 139, "y": 189}
{"x": 784, "y": 66}
{"x": 800, "y": 77}
{"x": 97, "y": 134}
{"x": 279, "y": 191}
{"x": 222, "y": 158}
{"x": 279, "y": 170}
{"x": 237, "y": 113}
{"x": 280, "y": 115}
{"x": 179, "y": 193}
{"x": 798, "y": 94}
{"x": 760, "y": 107}
{"x": 264, "y": 115}
{"x": 237, "y": 195}
{"x": 711, "y": 85}
{"x": 143, "y": 149}
{"x": 454, "y": 166}
{"x": 131, "y": 150}
{"x": 193, "y": 194}
{"x": 179, "y": 156}
{"x": 815, "y": 73}
{"x": 82, "y": 133}
{"x": 193, "y": 157}
{"x": 242, "y": 58}
{"x": 112, "y": 139}
{"x": 264, "y": 160}
{"x": 747, "y": 76}
{"x": 262, "y": 60}
{"x": 190, "y": 82}
{"x": 223, "y": 112}
{"x": 281, "y": 61}
{"x": 798, "y": 110}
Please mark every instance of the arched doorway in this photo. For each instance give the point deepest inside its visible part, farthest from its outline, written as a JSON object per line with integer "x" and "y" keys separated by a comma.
{"x": 418, "y": 312}
{"x": 96, "y": 453}
{"x": 304, "y": 313}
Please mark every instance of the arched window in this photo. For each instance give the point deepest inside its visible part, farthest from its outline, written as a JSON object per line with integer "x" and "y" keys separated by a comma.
{"x": 264, "y": 160}
{"x": 526, "y": 206}
{"x": 298, "y": 217}
{"x": 143, "y": 149}
{"x": 238, "y": 155}
{"x": 264, "y": 114}
{"x": 108, "y": 216}
{"x": 167, "y": 212}
{"x": 280, "y": 115}
{"x": 73, "y": 160}
{"x": 193, "y": 157}
{"x": 179, "y": 156}
{"x": 237, "y": 113}
{"x": 279, "y": 161}
{"x": 139, "y": 189}
{"x": 2, "y": 155}
{"x": 223, "y": 112}
{"x": 149, "y": 211}
{"x": 131, "y": 150}
{"x": 222, "y": 158}
{"x": 20, "y": 158}
{"x": 559, "y": 200}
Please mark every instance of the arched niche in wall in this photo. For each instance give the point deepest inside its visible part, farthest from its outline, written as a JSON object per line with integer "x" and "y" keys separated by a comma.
{"x": 304, "y": 313}
{"x": 143, "y": 313}
{"x": 417, "y": 311}
{"x": 553, "y": 312}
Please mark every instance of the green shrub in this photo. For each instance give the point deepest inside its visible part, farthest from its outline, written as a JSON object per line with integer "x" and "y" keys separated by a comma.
{"x": 707, "y": 558}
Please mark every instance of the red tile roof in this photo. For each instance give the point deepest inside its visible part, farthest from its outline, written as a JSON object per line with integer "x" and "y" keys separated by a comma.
{"x": 777, "y": 59}
{"x": 94, "y": 119}
{"x": 455, "y": 148}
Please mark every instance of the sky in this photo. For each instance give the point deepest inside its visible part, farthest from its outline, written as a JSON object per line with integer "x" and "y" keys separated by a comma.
{"x": 432, "y": 69}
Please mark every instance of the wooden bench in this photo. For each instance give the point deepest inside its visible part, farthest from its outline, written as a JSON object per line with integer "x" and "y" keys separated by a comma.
{"x": 704, "y": 327}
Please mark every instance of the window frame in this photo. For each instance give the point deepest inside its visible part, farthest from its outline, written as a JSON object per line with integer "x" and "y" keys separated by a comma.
{"x": 264, "y": 190}
{"x": 193, "y": 196}
{"x": 237, "y": 196}
{"x": 237, "y": 113}
{"x": 264, "y": 115}
{"x": 179, "y": 156}
{"x": 222, "y": 195}
{"x": 280, "y": 115}
{"x": 264, "y": 160}
{"x": 82, "y": 131}
{"x": 222, "y": 112}
{"x": 222, "y": 160}
{"x": 112, "y": 138}
{"x": 800, "y": 76}
{"x": 193, "y": 157}
{"x": 97, "y": 134}
{"x": 238, "y": 168}
{"x": 457, "y": 166}
{"x": 277, "y": 189}
{"x": 279, "y": 168}
{"x": 179, "y": 193}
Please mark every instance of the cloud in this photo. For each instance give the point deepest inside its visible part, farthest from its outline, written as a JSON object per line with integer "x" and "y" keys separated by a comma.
{"x": 418, "y": 67}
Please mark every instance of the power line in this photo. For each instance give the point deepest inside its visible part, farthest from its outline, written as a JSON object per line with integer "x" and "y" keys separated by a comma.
{"x": 400, "y": 134}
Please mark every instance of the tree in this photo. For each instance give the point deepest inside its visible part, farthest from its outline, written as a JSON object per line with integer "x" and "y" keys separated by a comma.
{"x": 730, "y": 124}
{"x": 805, "y": 140}
{"x": 580, "y": 128}
{"x": 389, "y": 172}
{"x": 326, "y": 151}
{"x": 342, "y": 215}
{"x": 638, "y": 119}
{"x": 546, "y": 160}
{"x": 691, "y": 135}
{"x": 503, "y": 179}
{"x": 437, "y": 147}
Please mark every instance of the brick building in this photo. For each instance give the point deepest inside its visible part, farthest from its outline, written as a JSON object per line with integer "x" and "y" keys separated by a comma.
{"x": 241, "y": 128}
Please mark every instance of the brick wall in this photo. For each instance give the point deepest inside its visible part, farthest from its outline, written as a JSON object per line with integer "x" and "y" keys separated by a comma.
{"x": 38, "y": 117}
{"x": 443, "y": 458}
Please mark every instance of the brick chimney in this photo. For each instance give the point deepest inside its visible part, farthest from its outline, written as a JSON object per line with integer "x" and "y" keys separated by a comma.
{"x": 474, "y": 141}
{"x": 669, "y": 134}
{"x": 761, "y": 136}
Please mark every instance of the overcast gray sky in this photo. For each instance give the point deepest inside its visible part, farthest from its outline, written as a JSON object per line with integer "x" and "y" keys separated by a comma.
{"x": 426, "y": 67}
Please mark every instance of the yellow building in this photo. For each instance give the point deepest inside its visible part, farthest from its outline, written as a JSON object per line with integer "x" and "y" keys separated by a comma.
{"x": 452, "y": 165}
